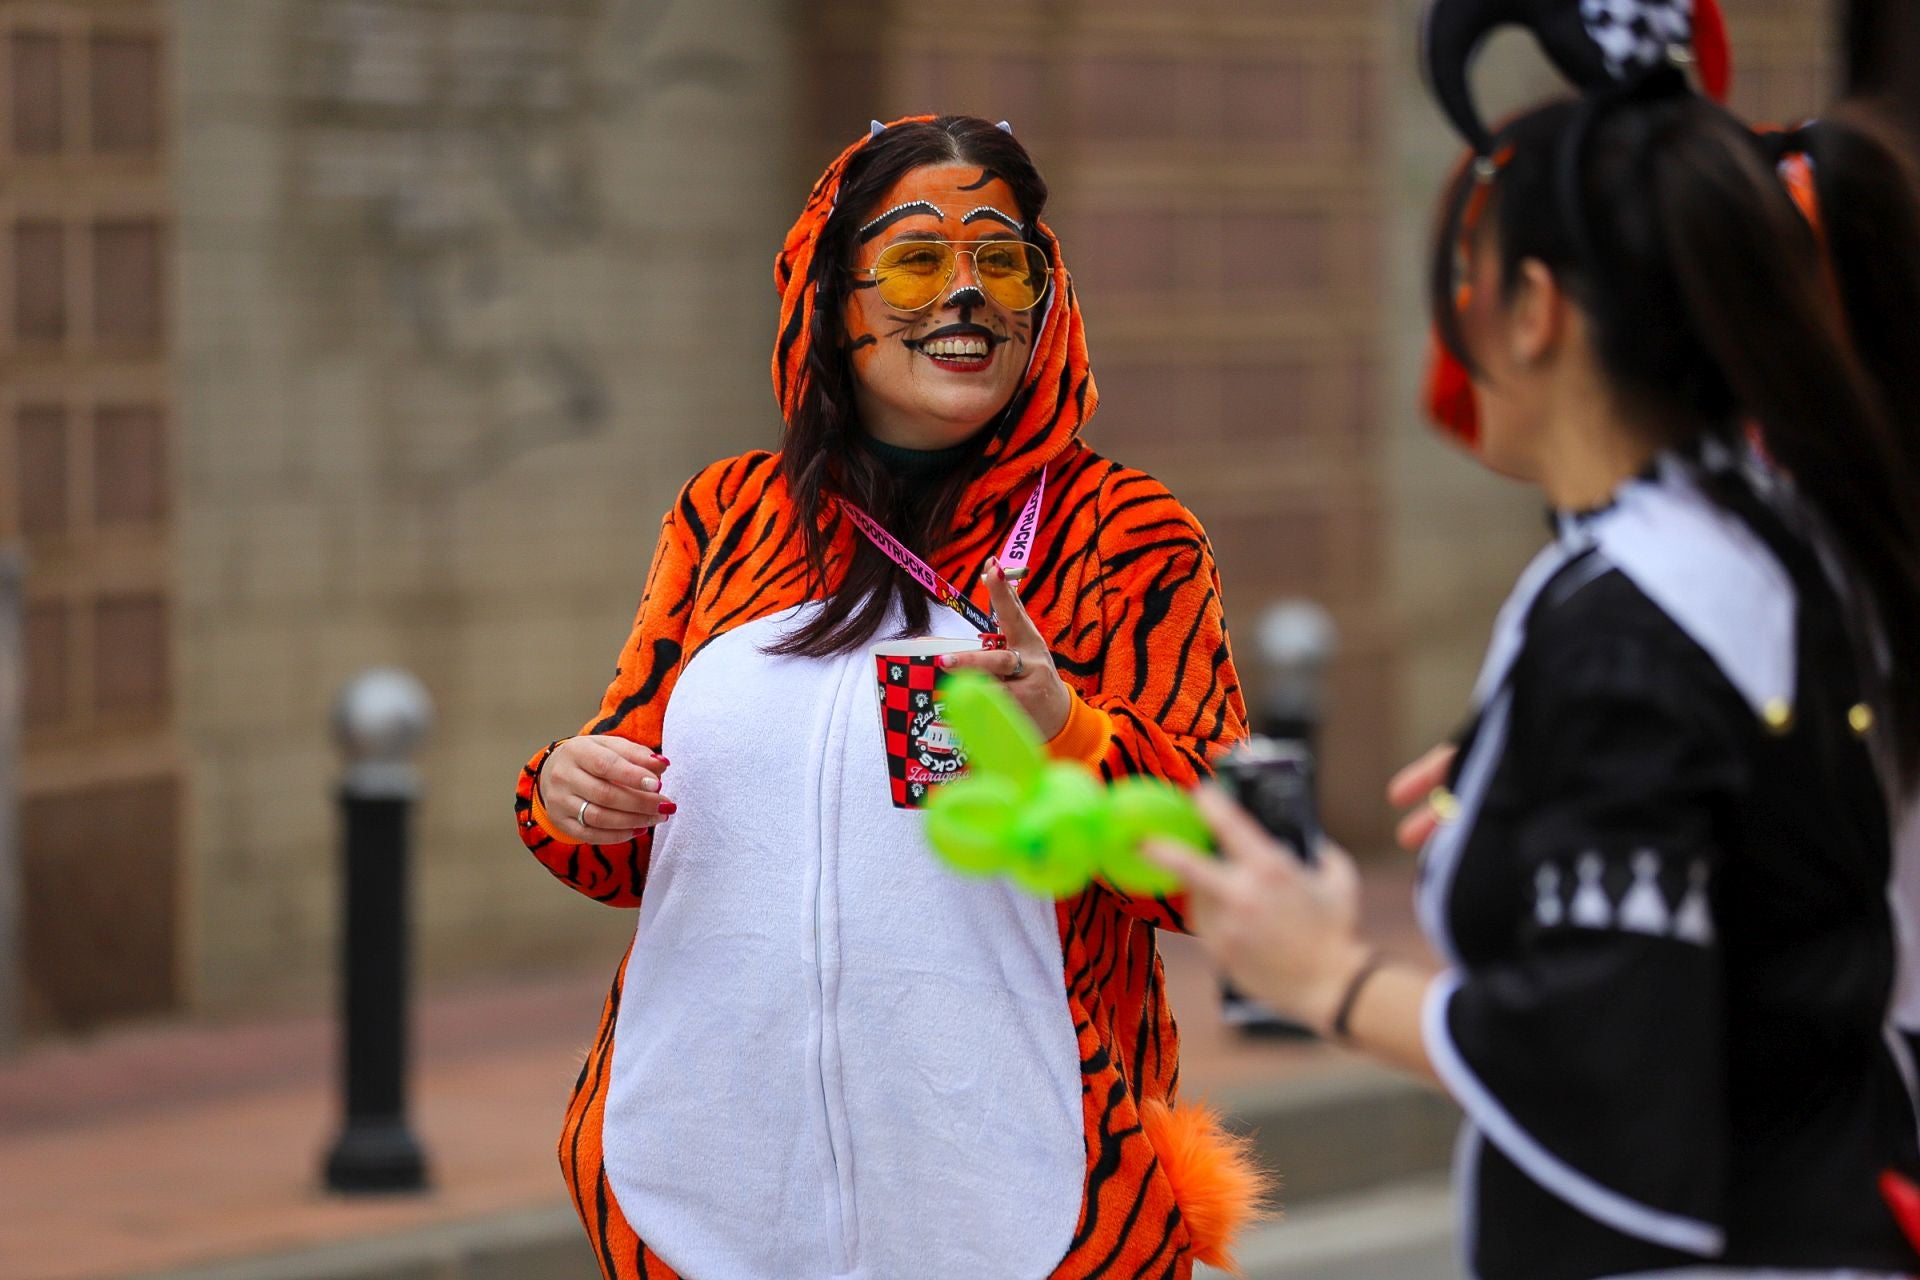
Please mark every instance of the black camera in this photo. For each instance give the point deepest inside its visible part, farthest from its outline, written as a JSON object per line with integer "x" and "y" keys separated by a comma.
{"x": 1272, "y": 779}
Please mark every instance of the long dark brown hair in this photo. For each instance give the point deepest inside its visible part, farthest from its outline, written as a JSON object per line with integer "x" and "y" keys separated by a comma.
{"x": 1712, "y": 306}
{"x": 821, "y": 455}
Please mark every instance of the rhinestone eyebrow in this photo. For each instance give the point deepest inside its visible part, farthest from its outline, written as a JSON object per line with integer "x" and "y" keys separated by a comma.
{"x": 898, "y": 209}
{"x": 989, "y": 211}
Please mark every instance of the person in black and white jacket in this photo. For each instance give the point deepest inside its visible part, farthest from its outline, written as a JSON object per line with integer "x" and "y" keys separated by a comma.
{"x": 1664, "y": 867}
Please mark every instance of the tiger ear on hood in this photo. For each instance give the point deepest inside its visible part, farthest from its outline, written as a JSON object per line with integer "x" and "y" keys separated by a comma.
{"x": 1593, "y": 43}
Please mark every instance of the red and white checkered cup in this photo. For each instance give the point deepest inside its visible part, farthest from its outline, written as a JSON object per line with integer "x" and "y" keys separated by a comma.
{"x": 922, "y": 752}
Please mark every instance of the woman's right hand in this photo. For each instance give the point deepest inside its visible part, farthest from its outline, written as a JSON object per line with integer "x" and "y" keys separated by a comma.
{"x": 616, "y": 780}
{"x": 1287, "y": 933}
{"x": 1419, "y": 788}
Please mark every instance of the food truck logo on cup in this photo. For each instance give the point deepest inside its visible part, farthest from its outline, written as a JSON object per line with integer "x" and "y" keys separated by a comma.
{"x": 922, "y": 751}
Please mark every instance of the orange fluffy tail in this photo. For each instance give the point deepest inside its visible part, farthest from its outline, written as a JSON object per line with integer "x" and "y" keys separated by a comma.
{"x": 1220, "y": 1188}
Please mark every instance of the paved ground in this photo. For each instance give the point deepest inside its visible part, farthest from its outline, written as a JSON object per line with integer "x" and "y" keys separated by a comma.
{"x": 174, "y": 1148}
{"x": 1402, "y": 1231}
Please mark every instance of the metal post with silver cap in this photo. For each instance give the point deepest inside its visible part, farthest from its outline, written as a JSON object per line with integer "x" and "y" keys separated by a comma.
{"x": 379, "y": 719}
{"x": 1296, "y": 640}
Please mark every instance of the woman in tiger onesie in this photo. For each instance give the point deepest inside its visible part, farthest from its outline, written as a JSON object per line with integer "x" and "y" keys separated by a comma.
{"x": 825, "y": 1054}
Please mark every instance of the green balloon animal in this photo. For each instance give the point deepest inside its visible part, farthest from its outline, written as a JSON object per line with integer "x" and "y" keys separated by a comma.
{"x": 1048, "y": 825}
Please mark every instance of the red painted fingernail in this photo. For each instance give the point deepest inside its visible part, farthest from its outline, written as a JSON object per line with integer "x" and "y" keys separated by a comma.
{"x": 945, "y": 661}
{"x": 664, "y": 762}
{"x": 668, "y": 806}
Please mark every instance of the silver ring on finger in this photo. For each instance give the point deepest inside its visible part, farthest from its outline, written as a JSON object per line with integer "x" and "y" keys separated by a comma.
{"x": 1019, "y": 665}
{"x": 581, "y": 817}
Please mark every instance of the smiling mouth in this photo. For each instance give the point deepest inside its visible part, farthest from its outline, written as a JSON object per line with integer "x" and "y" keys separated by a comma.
{"x": 960, "y": 346}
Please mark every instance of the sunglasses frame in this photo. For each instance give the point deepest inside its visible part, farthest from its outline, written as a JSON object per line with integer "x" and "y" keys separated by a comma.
{"x": 972, "y": 249}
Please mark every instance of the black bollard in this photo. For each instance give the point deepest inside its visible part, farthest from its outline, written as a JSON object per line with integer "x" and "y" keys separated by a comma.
{"x": 379, "y": 719}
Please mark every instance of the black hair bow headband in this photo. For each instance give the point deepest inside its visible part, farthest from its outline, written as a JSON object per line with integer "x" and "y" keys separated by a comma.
{"x": 1596, "y": 44}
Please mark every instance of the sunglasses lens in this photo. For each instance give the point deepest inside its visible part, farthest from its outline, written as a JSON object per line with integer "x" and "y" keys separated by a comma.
{"x": 1015, "y": 274}
{"x": 910, "y": 274}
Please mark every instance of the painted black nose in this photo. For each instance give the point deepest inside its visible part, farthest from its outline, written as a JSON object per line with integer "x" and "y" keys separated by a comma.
{"x": 967, "y": 295}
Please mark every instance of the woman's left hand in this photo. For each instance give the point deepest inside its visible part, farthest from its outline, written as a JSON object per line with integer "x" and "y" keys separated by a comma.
{"x": 1287, "y": 933}
{"x": 1025, "y": 665}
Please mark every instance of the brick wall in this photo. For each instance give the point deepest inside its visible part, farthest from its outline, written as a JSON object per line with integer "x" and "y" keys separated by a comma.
{"x": 86, "y": 488}
{"x": 1217, "y": 194}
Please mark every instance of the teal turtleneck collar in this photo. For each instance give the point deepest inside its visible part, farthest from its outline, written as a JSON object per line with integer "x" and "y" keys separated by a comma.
{"x": 915, "y": 464}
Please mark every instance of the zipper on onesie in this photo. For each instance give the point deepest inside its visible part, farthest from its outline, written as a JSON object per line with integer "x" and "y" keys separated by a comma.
{"x": 850, "y": 696}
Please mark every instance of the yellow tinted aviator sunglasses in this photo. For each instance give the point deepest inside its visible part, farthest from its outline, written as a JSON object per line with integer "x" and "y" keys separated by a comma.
{"x": 910, "y": 274}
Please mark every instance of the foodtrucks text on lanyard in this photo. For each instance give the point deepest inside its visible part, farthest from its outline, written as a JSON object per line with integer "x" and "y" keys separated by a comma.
{"x": 1014, "y": 557}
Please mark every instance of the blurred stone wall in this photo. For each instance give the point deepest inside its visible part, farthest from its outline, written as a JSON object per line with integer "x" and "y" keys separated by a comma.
{"x": 467, "y": 288}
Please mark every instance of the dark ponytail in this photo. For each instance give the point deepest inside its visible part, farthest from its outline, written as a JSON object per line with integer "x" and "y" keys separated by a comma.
{"x": 1802, "y": 359}
{"x": 1869, "y": 212}
{"x": 1712, "y": 307}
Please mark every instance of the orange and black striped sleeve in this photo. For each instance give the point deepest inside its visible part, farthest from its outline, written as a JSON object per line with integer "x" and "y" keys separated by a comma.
{"x": 633, "y": 706}
{"x": 1166, "y": 683}
{"x": 1167, "y": 701}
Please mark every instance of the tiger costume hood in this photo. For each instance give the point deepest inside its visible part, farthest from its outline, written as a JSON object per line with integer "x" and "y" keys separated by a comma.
{"x": 1025, "y": 1080}
{"x": 1056, "y": 395}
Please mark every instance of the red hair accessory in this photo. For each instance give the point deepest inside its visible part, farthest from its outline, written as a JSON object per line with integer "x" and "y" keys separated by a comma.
{"x": 1447, "y": 395}
{"x": 1796, "y": 175}
{"x": 1903, "y": 1197}
{"x": 1796, "y": 171}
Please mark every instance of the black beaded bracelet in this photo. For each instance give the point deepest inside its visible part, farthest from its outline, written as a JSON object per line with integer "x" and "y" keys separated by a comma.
{"x": 1374, "y": 962}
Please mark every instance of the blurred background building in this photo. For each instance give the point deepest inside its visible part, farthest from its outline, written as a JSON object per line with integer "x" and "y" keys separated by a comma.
{"x": 337, "y": 333}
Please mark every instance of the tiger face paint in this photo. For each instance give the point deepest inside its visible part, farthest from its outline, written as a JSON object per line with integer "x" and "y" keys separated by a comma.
{"x": 931, "y": 378}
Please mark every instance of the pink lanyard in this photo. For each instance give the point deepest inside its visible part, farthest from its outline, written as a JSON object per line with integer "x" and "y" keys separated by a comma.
{"x": 1014, "y": 556}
